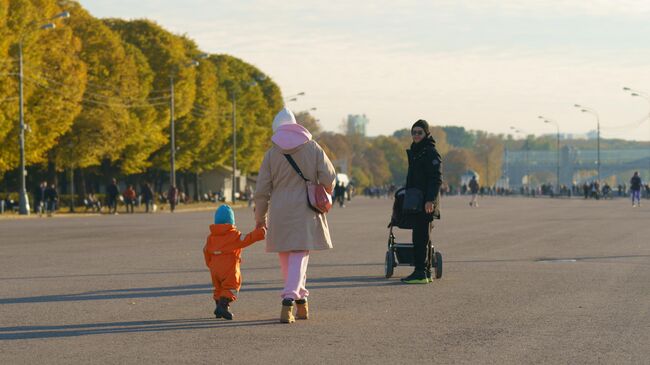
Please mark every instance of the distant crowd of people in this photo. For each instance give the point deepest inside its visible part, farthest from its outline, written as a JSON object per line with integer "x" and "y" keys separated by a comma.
{"x": 589, "y": 190}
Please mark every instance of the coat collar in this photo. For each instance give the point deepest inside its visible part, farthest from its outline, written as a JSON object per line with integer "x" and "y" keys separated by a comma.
{"x": 221, "y": 229}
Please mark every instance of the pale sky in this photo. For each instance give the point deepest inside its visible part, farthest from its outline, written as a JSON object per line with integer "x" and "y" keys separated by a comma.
{"x": 482, "y": 64}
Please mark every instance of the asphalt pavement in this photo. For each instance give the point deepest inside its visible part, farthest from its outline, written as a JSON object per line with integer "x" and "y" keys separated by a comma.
{"x": 525, "y": 281}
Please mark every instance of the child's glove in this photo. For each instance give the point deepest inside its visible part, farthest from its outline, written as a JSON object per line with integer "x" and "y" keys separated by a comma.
{"x": 259, "y": 234}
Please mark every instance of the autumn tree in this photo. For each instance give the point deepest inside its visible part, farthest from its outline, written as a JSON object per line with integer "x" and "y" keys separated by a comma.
{"x": 51, "y": 65}
{"x": 457, "y": 162}
{"x": 167, "y": 56}
{"x": 310, "y": 122}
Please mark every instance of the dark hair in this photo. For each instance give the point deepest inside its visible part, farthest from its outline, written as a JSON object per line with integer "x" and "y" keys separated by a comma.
{"x": 422, "y": 124}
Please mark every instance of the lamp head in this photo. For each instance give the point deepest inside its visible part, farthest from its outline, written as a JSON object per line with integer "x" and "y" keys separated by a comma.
{"x": 635, "y": 94}
{"x": 577, "y": 105}
{"x": 48, "y": 26}
{"x": 63, "y": 15}
{"x": 302, "y": 93}
{"x": 626, "y": 88}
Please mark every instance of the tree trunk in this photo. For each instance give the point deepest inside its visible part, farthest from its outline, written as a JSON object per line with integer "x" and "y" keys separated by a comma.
{"x": 197, "y": 193}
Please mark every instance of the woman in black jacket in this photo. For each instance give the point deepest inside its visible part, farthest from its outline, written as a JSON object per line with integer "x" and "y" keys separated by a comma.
{"x": 424, "y": 173}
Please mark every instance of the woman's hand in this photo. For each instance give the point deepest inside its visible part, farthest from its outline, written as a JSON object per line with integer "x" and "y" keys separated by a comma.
{"x": 428, "y": 207}
{"x": 260, "y": 225}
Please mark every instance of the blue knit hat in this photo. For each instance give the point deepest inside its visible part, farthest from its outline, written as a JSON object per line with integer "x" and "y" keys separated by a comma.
{"x": 224, "y": 215}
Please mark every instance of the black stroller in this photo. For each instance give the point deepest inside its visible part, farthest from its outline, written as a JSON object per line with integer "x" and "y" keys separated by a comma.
{"x": 401, "y": 254}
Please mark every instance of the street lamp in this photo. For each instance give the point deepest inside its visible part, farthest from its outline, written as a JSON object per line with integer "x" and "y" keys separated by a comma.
{"x": 234, "y": 136}
{"x": 293, "y": 97}
{"x": 642, "y": 95}
{"x": 172, "y": 169}
{"x": 550, "y": 121}
{"x": 584, "y": 109}
{"x": 23, "y": 207}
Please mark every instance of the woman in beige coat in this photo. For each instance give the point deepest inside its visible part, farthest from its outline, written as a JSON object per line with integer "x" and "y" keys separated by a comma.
{"x": 294, "y": 229}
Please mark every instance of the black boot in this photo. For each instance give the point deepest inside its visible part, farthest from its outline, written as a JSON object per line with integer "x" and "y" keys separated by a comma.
{"x": 216, "y": 309}
{"x": 417, "y": 277}
{"x": 223, "y": 309}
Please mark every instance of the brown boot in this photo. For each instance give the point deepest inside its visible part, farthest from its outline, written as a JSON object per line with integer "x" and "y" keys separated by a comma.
{"x": 302, "y": 309}
{"x": 286, "y": 316}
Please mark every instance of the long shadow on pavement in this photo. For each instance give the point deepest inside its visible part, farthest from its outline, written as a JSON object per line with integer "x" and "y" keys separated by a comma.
{"x": 37, "y": 332}
{"x": 196, "y": 289}
{"x": 168, "y": 272}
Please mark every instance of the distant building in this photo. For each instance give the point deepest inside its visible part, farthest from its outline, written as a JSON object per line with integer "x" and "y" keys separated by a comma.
{"x": 357, "y": 124}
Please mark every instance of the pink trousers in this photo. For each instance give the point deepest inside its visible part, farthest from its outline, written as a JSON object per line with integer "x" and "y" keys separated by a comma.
{"x": 294, "y": 272}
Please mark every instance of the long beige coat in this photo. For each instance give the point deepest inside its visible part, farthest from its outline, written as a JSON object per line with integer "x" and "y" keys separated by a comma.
{"x": 281, "y": 196}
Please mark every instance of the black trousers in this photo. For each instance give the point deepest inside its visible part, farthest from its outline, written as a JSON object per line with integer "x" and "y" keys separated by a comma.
{"x": 421, "y": 231}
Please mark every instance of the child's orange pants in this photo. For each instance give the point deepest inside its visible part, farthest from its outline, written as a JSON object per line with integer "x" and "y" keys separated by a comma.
{"x": 226, "y": 277}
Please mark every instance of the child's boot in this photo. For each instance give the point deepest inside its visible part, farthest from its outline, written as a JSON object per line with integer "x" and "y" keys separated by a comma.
{"x": 302, "y": 309}
{"x": 217, "y": 311}
{"x": 223, "y": 309}
{"x": 286, "y": 316}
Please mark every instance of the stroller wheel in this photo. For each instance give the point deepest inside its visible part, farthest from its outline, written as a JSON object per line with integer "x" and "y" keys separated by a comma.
{"x": 389, "y": 264}
{"x": 438, "y": 266}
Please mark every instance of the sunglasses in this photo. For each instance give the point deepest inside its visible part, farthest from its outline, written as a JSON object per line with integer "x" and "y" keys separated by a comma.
{"x": 417, "y": 133}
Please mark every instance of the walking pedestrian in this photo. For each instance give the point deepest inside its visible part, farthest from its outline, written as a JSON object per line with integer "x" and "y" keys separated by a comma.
{"x": 222, "y": 253}
{"x": 635, "y": 189}
{"x": 51, "y": 199}
{"x": 172, "y": 197}
{"x": 339, "y": 194}
{"x": 147, "y": 196}
{"x": 39, "y": 198}
{"x": 294, "y": 229}
{"x": 424, "y": 173}
{"x": 112, "y": 193}
{"x": 473, "y": 187}
{"x": 129, "y": 199}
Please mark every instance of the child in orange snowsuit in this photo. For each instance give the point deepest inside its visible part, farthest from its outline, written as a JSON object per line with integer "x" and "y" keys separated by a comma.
{"x": 222, "y": 254}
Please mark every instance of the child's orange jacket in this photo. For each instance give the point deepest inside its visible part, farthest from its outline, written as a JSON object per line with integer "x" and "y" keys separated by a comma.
{"x": 222, "y": 252}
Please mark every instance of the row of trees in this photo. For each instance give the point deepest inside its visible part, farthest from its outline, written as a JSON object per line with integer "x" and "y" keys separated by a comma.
{"x": 97, "y": 96}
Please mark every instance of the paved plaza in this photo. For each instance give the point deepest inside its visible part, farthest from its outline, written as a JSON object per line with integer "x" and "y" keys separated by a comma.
{"x": 133, "y": 289}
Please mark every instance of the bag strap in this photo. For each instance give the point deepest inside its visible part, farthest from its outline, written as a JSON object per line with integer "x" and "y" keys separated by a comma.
{"x": 295, "y": 166}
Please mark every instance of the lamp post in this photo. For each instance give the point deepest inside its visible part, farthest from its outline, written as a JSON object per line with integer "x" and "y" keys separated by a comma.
{"x": 557, "y": 126}
{"x": 644, "y": 96}
{"x": 584, "y": 109}
{"x": 233, "y": 95}
{"x": 23, "y": 207}
{"x": 172, "y": 126}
